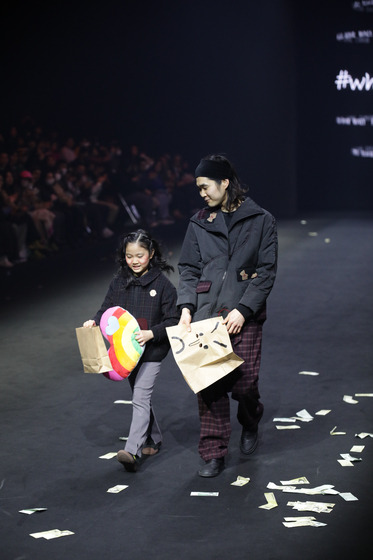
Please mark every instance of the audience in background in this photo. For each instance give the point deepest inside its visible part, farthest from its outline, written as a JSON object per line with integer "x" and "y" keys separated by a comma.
{"x": 54, "y": 193}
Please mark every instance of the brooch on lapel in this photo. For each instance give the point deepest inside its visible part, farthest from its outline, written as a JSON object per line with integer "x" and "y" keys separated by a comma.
{"x": 152, "y": 293}
{"x": 212, "y": 217}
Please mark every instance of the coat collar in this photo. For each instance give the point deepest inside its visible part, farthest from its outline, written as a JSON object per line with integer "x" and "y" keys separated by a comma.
{"x": 213, "y": 219}
{"x": 144, "y": 280}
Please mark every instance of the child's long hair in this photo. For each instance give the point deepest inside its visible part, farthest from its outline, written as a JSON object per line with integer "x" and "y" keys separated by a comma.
{"x": 142, "y": 238}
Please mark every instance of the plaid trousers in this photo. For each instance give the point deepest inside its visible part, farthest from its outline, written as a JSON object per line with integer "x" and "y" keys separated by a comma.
{"x": 242, "y": 383}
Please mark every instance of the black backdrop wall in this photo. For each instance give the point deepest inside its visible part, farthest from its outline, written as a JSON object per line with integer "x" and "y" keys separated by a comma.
{"x": 254, "y": 80}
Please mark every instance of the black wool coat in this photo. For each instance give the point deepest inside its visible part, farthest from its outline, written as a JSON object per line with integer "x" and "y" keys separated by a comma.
{"x": 151, "y": 299}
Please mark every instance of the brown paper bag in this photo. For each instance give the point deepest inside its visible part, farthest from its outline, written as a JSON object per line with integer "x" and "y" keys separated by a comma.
{"x": 205, "y": 354}
{"x": 93, "y": 350}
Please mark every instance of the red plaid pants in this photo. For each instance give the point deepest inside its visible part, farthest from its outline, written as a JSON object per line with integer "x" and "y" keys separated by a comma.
{"x": 242, "y": 383}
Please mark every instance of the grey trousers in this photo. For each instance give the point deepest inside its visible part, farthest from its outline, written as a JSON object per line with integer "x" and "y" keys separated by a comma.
{"x": 143, "y": 422}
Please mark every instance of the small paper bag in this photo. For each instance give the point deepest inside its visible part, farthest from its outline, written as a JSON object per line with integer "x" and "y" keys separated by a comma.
{"x": 205, "y": 354}
{"x": 93, "y": 350}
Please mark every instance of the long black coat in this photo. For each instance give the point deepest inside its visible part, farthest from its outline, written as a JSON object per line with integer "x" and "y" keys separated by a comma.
{"x": 151, "y": 299}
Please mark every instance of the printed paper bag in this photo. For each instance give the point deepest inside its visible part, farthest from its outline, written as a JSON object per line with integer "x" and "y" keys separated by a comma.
{"x": 93, "y": 350}
{"x": 205, "y": 354}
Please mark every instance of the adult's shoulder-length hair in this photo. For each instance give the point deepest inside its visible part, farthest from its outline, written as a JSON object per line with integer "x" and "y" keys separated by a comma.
{"x": 236, "y": 191}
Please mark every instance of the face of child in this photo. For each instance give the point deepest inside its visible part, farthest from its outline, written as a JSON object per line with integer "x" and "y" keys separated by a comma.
{"x": 138, "y": 258}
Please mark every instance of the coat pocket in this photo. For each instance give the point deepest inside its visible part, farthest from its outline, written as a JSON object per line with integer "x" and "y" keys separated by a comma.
{"x": 203, "y": 287}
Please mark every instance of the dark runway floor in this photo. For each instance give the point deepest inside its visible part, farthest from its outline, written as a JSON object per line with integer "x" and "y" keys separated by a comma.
{"x": 57, "y": 421}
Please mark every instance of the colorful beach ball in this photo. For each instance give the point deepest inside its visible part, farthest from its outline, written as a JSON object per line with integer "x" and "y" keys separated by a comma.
{"x": 119, "y": 327}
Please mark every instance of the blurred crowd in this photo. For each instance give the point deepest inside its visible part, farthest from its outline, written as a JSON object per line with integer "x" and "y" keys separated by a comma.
{"x": 55, "y": 193}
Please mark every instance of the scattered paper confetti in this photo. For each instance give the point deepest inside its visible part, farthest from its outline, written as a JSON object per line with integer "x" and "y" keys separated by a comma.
{"x": 304, "y": 415}
{"x": 308, "y": 373}
{"x": 334, "y": 433}
{"x": 316, "y": 507}
{"x": 118, "y": 488}
{"x": 241, "y": 481}
{"x": 322, "y": 412}
{"x": 363, "y": 435}
{"x": 363, "y": 394}
{"x": 349, "y": 399}
{"x": 306, "y": 522}
{"x": 357, "y": 448}
{"x": 52, "y": 534}
{"x": 324, "y": 489}
{"x": 285, "y": 420}
{"x": 349, "y": 457}
{"x": 303, "y": 222}
{"x": 313, "y": 233}
{"x": 122, "y": 402}
{"x": 32, "y": 510}
{"x": 348, "y": 496}
{"x": 327, "y": 240}
{"x": 291, "y": 427}
{"x": 123, "y": 438}
{"x": 345, "y": 463}
{"x": 271, "y": 501}
{"x": 301, "y": 480}
{"x": 212, "y": 494}
{"x": 109, "y": 455}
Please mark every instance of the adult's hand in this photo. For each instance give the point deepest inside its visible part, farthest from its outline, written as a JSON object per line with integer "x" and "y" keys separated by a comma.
{"x": 234, "y": 321}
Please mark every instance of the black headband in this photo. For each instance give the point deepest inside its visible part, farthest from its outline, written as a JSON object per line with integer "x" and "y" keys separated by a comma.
{"x": 213, "y": 169}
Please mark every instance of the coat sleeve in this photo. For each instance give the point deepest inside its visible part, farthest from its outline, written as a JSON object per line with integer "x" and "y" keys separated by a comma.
{"x": 190, "y": 269}
{"x": 109, "y": 301}
{"x": 170, "y": 315}
{"x": 260, "y": 287}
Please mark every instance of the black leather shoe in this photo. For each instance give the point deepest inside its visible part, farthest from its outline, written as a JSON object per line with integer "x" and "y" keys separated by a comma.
{"x": 249, "y": 441}
{"x": 213, "y": 467}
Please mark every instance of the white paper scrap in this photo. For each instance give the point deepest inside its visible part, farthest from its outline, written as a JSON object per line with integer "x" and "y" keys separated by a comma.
{"x": 241, "y": 481}
{"x": 349, "y": 457}
{"x": 324, "y": 489}
{"x": 122, "y": 402}
{"x": 118, "y": 488}
{"x": 303, "y": 523}
{"x": 290, "y": 420}
{"x": 52, "y": 534}
{"x": 308, "y": 373}
{"x": 313, "y": 233}
{"x": 327, "y": 240}
{"x": 300, "y": 480}
{"x": 322, "y": 412}
{"x": 349, "y": 399}
{"x": 123, "y": 438}
{"x": 271, "y": 501}
{"x": 306, "y": 416}
{"x": 363, "y": 435}
{"x": 210, "y": 494}
{"x": 348, "y": 496}
{"x": 32, "y": 510}
{"x": 289, "y": 427}
{"x": 316, "y": 507}
{"x": 363, "y": 394}
{"x": 345, "y": 463}
{"x": 357, "y": 448}
{"x": 109, "y": 455}
{"x": 334, "y": 433}
{"x": 297, "y": 518}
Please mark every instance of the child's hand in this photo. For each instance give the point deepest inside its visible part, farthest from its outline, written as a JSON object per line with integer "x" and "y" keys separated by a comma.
{"x": 144, "y": 336}
{"x": 89, "y": 324}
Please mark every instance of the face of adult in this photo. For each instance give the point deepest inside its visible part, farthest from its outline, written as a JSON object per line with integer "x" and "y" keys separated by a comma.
{"x": 213, "y": 193}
